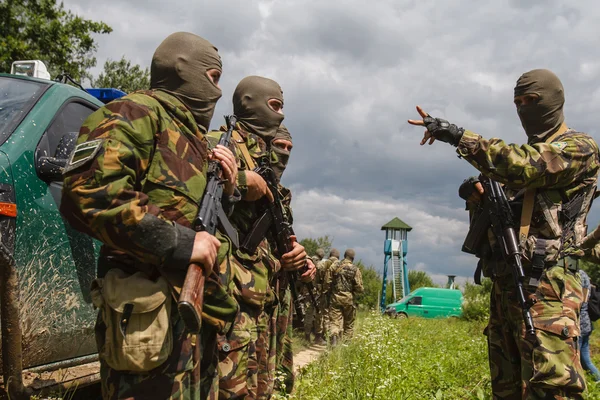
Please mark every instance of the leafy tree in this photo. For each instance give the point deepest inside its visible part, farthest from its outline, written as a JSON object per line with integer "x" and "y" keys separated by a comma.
{"x": 371, "y": 283}
{"x": 311, "y": 245}
{"x": 122, "y": 75}
{"x": 417, "y": 279}
{"x": 44, "y": 30}
{"x": 592, "y": 269}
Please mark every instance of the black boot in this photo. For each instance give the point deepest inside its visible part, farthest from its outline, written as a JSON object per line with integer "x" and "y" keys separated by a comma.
{"x": 334, "y": 340}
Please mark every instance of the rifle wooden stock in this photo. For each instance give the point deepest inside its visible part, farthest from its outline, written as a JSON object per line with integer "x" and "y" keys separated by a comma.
{"x": 191, "y": 298}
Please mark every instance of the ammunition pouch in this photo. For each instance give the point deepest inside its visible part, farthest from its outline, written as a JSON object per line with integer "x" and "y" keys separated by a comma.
{"x": 136, "y": 313}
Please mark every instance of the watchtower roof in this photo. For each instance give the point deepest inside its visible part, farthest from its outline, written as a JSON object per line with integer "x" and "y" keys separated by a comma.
{"x": 397, "y": 223}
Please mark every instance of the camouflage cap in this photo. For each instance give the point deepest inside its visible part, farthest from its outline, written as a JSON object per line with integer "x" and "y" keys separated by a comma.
{"x": 350, "y": 254}
{"x": 320, "y": 253}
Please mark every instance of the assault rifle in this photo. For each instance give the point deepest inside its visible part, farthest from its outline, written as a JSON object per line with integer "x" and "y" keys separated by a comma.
{"x": 210, "y": 217}
{"x": 274, "y": 221}
{"x": 495, "y": 212}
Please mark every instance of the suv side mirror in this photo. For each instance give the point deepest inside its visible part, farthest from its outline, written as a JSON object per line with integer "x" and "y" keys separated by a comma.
{"x": 50, "y": 169}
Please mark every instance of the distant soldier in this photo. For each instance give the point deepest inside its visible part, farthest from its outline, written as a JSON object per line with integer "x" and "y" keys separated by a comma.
{"x": 310, "y": 317}
{"x": 346, "y": 284}
{"x": 323, "y": 287}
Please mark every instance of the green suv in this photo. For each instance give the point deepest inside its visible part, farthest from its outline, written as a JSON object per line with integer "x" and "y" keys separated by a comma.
{"x": 46, "y": 266}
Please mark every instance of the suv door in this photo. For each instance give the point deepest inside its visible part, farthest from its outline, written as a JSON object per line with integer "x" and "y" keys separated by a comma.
{"x": 57, "y": 264}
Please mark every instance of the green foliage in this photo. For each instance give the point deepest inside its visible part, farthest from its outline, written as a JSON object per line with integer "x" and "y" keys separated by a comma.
{"x": 592, "y": 269}
{"x": 44, "y": 30}
{"x": 372, "y": 285}
{"x": 476, "y": 301}
{"x": 311, "y": 245}
{"x": 122, "y": 75}
{"x": 402, "y": 359}
{"x": 417, "y": 279}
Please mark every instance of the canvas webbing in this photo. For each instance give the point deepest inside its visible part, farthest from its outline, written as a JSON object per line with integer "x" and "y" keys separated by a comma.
{"x": 529, "y": 197}
{"x": 241, "y": 144}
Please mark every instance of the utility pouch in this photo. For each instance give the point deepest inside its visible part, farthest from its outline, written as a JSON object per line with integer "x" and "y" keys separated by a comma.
{"x": 136, "y": 312}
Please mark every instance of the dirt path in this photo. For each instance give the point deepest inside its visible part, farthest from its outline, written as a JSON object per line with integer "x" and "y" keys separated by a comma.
{"x": 307, "y": 356}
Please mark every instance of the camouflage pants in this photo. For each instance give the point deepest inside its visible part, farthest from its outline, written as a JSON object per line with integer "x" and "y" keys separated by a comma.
{"x": 266, "y": 352}
{"x": 546, "y": 366}
{"x": 178, "y": 378}
{"x": 321, "y": 317}
{"x": 284, "y": 355}
{"x": 341, "y": 320}
{"x": 310, "y": 318}
{"x": 238, "y": 364}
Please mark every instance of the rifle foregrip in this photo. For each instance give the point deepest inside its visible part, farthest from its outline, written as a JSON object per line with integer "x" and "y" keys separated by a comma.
{"x": 191, "y": 298}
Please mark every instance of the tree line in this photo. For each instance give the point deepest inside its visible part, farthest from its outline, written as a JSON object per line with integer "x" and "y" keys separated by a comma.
{"x": 44, "y": 30}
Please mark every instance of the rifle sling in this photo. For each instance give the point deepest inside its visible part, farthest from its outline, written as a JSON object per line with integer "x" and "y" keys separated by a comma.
{"x": 529, "y": 198}
{"x": 241, "y": 145}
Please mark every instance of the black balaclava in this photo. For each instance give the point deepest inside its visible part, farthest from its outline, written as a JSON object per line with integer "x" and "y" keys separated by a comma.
{"x": 179, "y": 67}
{"x": 250, "y": 106}
{"x": 544, "y": 117}
{"x": 280, "y": 157}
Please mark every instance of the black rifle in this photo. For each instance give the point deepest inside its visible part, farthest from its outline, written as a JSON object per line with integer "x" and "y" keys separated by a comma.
{"x": 210, "y": 217}
{"x": 495, "y": 212}
{"x": 275, "y": 221}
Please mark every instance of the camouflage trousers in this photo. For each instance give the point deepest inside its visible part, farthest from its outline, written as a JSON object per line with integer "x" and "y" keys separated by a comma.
{"x": 341, "y": 320}
{"x": 310, "y": 318}
{"x": 322, "y": 318}
{"x": 178, "y": 378}
{"x": 284, "y": 355}
{"x": 238, "y": 363}
{"x": 546, "y": 366}
{"x": 266, "y": 352}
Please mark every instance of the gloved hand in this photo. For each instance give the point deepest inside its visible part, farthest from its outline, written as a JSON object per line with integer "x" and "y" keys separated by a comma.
{"x": 443, "y": 130}
{"x": 438, "y": 128}
{"x": 467, "y": 188}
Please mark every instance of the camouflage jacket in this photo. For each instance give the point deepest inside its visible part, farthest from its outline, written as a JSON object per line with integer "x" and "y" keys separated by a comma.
{"x": 346, "y": 283}
{"x": 559, "y": 170}
{"x": 135, "y": 182}
{"x": 325, "y": 274}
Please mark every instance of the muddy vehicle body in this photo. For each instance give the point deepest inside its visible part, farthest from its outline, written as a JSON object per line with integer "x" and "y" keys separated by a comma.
{"x": 46, "y": 267}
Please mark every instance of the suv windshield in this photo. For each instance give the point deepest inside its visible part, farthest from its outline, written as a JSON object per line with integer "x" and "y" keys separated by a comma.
{"x": 17, "y": 97}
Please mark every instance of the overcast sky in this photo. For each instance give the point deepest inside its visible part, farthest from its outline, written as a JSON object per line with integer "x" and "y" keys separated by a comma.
{"x": 352, "y": 72}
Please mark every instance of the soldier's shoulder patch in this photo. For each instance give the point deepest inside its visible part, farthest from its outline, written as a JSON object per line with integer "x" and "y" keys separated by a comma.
{"x": 83, "y": 154}
{"x": 560, "y": 145}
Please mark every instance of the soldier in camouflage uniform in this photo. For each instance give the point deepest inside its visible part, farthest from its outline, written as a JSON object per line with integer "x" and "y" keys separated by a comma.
{"x": 280, "y": 353}
{"x": 313, "y": 318}
{"x": 135, "y": 182}
{"x": 323, "y": 287}
{"x": 556, "y": 173}
{"x": 258, "y": 104}
{"x": 346, "y": 284}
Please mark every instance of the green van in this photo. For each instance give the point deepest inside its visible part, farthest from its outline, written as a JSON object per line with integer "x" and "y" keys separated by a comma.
{"x": 428, "y": 302}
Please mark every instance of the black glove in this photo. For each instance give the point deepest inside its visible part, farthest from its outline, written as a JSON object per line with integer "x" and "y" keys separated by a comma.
{"x": 443, "y": 130}
{"x": 467, "y": 188}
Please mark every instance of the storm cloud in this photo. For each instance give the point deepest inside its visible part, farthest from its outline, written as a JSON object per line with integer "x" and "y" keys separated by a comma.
{"x": 352, "y": 73}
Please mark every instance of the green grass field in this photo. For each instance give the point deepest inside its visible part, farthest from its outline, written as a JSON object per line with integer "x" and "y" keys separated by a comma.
{"x": 407, "y": 359}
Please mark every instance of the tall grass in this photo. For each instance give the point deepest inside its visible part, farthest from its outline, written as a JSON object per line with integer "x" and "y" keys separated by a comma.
{"x": 408, "y": 359}
{"x": 402, "y": 359}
